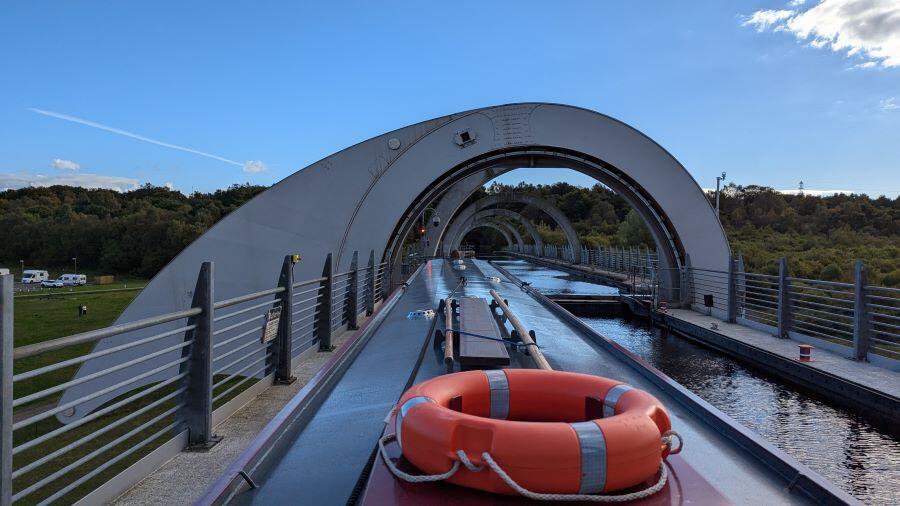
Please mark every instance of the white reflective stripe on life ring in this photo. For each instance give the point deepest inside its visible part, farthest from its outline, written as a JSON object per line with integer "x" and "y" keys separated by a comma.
{"x": 612, "y": 398}
{"x": 404, "y": 409}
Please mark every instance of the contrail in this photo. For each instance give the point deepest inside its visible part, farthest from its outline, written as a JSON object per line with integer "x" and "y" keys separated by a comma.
{"x": 101, "y": 126}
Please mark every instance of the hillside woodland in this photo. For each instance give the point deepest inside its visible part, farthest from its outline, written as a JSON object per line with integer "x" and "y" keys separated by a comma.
{"x": 138, "y": 232}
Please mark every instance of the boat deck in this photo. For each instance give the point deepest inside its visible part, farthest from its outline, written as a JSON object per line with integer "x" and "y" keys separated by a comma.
{"x": 323, "y": 463}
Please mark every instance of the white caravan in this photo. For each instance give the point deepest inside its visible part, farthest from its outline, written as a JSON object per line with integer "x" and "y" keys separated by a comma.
{"x": 34, "y": 276}
{"x": 73, "y": 279}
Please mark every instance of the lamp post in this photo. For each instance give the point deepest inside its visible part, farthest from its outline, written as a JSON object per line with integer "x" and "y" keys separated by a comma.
{"x": 75, "y": 259}
{"x": 719, "y": 179}
{"x": 22, "y": 265}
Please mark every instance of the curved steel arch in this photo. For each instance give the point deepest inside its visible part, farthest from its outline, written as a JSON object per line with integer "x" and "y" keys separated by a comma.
{"x": 499, "y": 227}
{"x": 459, "y": 221}
{"x": 454, "y": 241}
{"x": 366, "y": 196}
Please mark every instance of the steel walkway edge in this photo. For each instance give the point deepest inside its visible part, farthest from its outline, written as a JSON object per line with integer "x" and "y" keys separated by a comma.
{"x": 795, "y": 474}
{"x": 294, "y": 416}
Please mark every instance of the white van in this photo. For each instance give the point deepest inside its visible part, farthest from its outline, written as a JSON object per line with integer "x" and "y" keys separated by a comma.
{"x": 73, "y": 279}
{"x": 3, "y": 271}
{"x": 34, "y": 276}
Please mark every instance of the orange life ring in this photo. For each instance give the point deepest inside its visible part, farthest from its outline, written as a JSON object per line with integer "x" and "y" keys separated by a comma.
{"x": 541, "y": 426}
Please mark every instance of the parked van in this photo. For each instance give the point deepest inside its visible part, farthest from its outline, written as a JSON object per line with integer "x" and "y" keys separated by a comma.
{"x": 34, "y": 276}
{"x": 73, "y": 279}
{"x": 3, "y": 271}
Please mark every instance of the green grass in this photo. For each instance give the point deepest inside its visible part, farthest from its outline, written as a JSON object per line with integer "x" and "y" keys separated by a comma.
{"x": 42, "y": 318}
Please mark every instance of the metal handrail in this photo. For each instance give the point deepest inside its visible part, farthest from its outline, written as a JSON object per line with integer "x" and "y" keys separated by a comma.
{"x": 248, "y": 297}
{"x": 31, "y": 350}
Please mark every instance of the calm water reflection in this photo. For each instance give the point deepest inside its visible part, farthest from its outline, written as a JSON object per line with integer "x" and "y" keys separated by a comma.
{"x": 835, "y": 442}
{"x": 550, "y": 281}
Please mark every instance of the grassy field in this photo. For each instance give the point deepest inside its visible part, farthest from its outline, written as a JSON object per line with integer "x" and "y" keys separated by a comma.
{"x": 98, "y": 448}
{"x": 42, "y": 318}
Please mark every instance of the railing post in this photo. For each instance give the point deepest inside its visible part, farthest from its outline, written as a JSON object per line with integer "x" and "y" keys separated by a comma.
{"x": 732, "y": 290}
{"x": 324, "y": 323}
{"x": 353, "y": 292}
{"x": 860, "y": 313}
{"x": 6, "y": 388}
{"x": 198, "y": 397}
{"x": 370, "y": 285}
{"x": 687, "y": 291}
{"x": 283, "y": 344}
{"x": 784, "y": 300}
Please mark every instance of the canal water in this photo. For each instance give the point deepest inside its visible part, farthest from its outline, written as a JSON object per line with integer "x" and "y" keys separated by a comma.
{"x": 841, "y": 445}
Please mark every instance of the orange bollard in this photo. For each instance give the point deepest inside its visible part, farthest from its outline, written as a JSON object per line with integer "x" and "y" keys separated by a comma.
{"x": 806, "y": 353}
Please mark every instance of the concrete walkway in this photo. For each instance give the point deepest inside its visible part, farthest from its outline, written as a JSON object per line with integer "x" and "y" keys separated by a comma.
{"x": 186, "y": 477}
{"x": 863, "y": 373}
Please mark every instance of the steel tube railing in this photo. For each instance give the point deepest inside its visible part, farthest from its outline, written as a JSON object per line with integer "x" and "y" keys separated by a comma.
{"x": 31, "y": 350}
{"x": 64, "y": 407}
{"x": 238, "y": 336}
{"x": 95, "y": 434}
{"x": 245, "y": 310}
{"x": 112, "y": 461}
{"x": 96, "y": 414}
{"x": 239, "y": 324}
{"x": 246, "y": 298}
{"x": 240, "y": 371}
{"x": 99, "y": 374}
{"x": 177, "y": 386}
{"x": 97, "y": 354}
{"x": 246, "y": 379}
{"x": 74, "y": 465}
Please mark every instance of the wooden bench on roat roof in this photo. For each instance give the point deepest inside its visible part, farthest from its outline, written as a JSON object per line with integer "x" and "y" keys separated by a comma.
{"x": 476, "y": 317}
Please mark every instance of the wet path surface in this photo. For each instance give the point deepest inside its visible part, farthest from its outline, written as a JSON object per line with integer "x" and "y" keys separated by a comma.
{"x": 841, "y": 445}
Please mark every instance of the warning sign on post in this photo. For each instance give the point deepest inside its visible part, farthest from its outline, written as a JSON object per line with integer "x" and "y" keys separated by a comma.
{"x": 270, "y": 331}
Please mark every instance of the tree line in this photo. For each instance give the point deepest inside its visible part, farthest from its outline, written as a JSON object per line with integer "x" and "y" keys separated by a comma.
{"x": 139, "y": 231}
{"x": 136, "y": 232}
{"x": 820, "y": 236}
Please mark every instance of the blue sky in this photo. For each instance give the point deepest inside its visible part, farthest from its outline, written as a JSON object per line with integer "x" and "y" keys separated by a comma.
{"x": 763, "y": 89}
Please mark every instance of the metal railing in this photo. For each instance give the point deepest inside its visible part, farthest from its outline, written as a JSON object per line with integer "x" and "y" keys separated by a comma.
{"x": 639, "y": 264}
{"x": 860, "y": 317}
{"x": 169, "y": 386}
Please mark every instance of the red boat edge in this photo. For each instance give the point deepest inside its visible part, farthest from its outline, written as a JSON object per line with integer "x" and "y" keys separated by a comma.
{"x": 684, "y": 486}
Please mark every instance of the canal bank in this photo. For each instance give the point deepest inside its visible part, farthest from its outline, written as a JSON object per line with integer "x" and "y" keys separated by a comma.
{"x": 844, "y": 446}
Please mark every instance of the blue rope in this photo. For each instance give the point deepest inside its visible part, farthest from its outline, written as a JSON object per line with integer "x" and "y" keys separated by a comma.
{"x": 506, "y": 341}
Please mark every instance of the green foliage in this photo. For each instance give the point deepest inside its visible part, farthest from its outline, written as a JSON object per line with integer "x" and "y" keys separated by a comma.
{"x": 892, "y": 278}
{"x": 136, "y": 232}
{"x": 634, "y": 232}
{"x": 820, "y": 236}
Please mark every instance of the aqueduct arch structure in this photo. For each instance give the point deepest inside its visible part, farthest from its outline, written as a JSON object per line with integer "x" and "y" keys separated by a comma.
{"x": 483, "y": 207}
{"x": 502, "y": 228}
{"x": 503, "y": 213}
{"x": 368, "y": 196}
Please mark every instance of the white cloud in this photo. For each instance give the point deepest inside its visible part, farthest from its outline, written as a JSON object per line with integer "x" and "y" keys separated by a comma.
{"x": 169, "y": 185}
{"x": 761, "y": 20}
{"x": 254, "y": 166}
{"x": 796, "y": 3}
{"x": 795, "y": 191}
{"x": 868, "y": 29}
{"x": 15, "y": 180}
{"x": 60, "y": 164}
{"x": 816, "y": 193}
{"x": 889, "y": 104}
